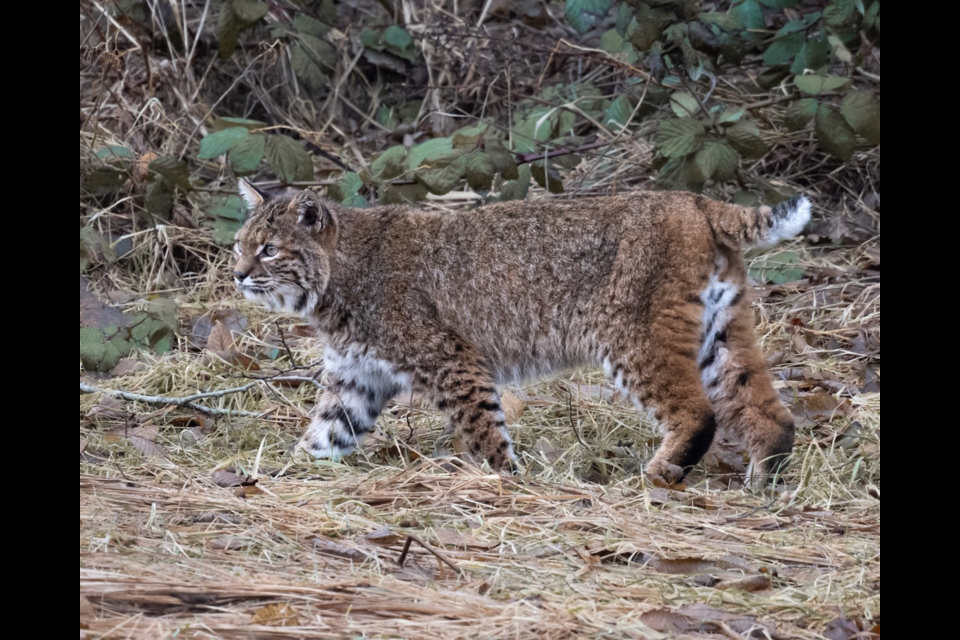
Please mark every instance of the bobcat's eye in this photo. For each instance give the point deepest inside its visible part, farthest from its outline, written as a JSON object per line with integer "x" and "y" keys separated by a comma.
{"x": 270, "y": 251}
{"x": 237, "y": 249}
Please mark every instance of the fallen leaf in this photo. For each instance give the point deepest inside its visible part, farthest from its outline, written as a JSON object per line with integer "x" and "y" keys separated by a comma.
{"x": 382, "y": 537}
{"x": 86, "y": 607}
{"x": 227, "y": 544}
{"x": 143, "y": 164}
{"x": 820, "y": 407}
{"x": 203, "y": 325}
{"x": 127, "y": 367}
{"x": 108, "y": 409}
{"x": 276, "y": 615}
{"x": 327, "y": 547}
{"x": 143, "y": 438}
{"x": 222, "y": 344}
{"x": 513, "y": 407}
{"x": 752, "y": 584}
{"x": 229, "y": 480}
{"x": 450, "y": 538}
{"x": 96, "y": 314}
{"x": 247, "y": 491}
{"x": 842, "y": 629}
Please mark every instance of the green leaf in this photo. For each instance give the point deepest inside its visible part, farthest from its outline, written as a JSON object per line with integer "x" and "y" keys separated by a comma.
{"x": 814, "y": 55}
{"x": 227, "y": 123}
{"x": 516, "y": 189}
{"x": 612, "y": 42}
{"x": 746, "y": 199}
{"x": 310, "y": 25}
{"x": 105, "y": 181}
{"x": 400, "y": 42}
{"x": 619, "y": 112}
{"x": 584, "y": 15}
{"x": 442, "y": 180}
{"x": 289, "y": 161}
{"x": 219, "y": 143}
{"x": 835, "y": 136}
{"x": 536, "y": 127}
{"x": 327, "y": 11}
{"x": 745, "y": 138}
{"x": 249, "y": 12}
{"x": 306, "y": 68}
{"x": 114, "y": 153}
{"x": 801, "y": 113}
{"x": 780, "y": 4}
{"x": 818, "y": 85}
{"x": 174, "y": 170}
{"x": 232, "y": 208}
{"x": 684, "y": 104}
{"x": 224, "y": 232}
{"x": 624, "y": 18}
{"x": 788, "y": 43}
{"x": 548, "y": 178}
{"x": 245, "y": 158}
{"x": 839, "y": 13}
{"x": 389, "y": 165}
{"x": 347, "y": 191}
{"x": 159, "y": 199}
{"x": 732, "y": 115}
{"x": 84, "y": 255}
{"x": 428, "y": 153}
{"x": 404, "y": 194}
{"x": 862, "y": 110}
{"x": 503, "y": 160}
{"x": 750, "y": 15}
{"x": 680, "y": 137}
{"x": 777, "y": 268}
{"x": 228, "y": 31}
{"x": 480, "y": 171}
{"x": 718, "y": 161}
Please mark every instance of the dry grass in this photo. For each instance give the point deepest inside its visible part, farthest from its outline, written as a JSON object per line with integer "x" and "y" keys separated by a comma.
{"x": 577, "y": 546}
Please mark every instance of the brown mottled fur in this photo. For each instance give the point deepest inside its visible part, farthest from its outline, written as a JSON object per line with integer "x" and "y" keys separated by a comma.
{"x": 454, "y": 303}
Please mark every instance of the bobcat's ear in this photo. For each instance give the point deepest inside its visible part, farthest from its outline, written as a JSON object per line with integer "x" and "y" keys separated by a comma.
{"x": 311, "y": 213}
{"x": 251, "y": 195}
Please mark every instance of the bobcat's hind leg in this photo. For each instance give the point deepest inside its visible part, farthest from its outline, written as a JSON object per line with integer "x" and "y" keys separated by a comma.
{"x": 358, "y": 388}
{"x": 657, "y": 367}
{"x": 747, "y": 406}
{"x": 461, "y": 384}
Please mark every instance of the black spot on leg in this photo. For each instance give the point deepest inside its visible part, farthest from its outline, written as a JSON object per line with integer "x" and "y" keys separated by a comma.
{"x": 722, "y": 336}
{"x": 489, "y": 406}
{"x": 373, "y": 411}
{"x": 503, "y": 446}
{"x": 476, "y": 447}
{"x": 737, "y": 298}
{"x": 700, "y": 443}
{"x": 443, "y": 405}
{"x": 743, "y": 378}
{"x": 708, "y": 361}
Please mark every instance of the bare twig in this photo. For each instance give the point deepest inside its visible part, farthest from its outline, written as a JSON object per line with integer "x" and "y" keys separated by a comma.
{"x": 411, "y": 538}
{"x": 188, "y": 402}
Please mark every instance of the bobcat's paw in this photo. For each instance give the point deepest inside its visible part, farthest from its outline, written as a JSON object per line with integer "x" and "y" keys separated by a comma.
{"x": 320, "y": 441}
{"x": 665, "y": 475}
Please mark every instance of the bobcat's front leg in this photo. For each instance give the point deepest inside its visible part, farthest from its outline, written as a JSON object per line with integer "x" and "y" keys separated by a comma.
{"x": 358, "y": 388}
{"x": 460, "y": 382}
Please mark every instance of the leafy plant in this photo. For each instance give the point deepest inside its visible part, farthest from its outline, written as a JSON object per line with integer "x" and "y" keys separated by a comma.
{"x": 101, "y": 349}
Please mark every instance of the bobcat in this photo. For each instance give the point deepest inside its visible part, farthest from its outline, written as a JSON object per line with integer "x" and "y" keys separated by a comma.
{"x": 651, "y": 286}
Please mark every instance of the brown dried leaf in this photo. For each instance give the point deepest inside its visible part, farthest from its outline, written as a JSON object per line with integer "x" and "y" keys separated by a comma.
{"x": 752, "y": 584}
{"x": 382, "y": 537}
{"x": 108, "y": 409}
{"x": 276, "y": 615}
{"x": 229, "y": 479}
{"x": 222, "y": 344}
{"x": 96, "y": 314}
{"x": 143, "y": 438}
{"x": 143, "y": 164}
{"x": 513, "y": 407}
{"x": 328, "y": 547}
{"x": 842, "y": 629}
{"x": 126, "y": 367}
{"x": 227, "y": 544}
{"x": 247, "y": 491}
{"x": 450, "y": 538}
{"x": 203, "y": 325}
{"x": 86, "y": 607}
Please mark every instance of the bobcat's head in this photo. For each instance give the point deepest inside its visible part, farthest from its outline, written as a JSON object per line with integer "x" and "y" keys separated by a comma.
{"x": 284, "y": 250}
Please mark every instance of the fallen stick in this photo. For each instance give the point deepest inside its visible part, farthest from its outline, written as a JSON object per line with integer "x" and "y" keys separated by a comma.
{"x": 188, "y": 402}
{"x": 439, "y": 556}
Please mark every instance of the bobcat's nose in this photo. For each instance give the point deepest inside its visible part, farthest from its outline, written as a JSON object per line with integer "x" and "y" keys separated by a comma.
{"x": 240, "y": 275}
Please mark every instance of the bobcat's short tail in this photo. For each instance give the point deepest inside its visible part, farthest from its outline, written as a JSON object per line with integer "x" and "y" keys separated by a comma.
{"x": 760, "y": 226}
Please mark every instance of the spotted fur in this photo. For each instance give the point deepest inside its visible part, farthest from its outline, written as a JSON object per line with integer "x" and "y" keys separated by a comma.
{"x": 651, "y": 286}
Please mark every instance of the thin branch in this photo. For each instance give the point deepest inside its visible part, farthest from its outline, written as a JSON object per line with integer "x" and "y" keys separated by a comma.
{"x": 188, "y": 402}
{"x": 439, "y": 556}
